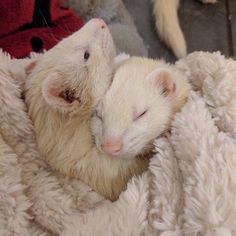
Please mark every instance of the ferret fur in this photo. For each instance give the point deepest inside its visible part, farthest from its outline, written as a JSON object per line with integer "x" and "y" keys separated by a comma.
{"x": 168, "y": 27}
{"x": 140, "y": 86}
{"x": 63, "y": 132}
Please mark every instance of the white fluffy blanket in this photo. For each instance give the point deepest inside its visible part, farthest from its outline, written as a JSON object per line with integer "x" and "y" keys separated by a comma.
{"x": 189, "y": 189}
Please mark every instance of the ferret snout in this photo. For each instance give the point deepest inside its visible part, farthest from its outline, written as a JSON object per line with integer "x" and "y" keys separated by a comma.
{"x": 112, "y": 146}
{"x": 99, "y": 22}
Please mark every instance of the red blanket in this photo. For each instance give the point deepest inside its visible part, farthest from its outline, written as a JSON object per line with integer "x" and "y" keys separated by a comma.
{"x": 28, "y": 25}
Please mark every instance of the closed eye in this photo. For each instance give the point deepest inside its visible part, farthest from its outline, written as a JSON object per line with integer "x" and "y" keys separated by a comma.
{"x": 139, "y": 115}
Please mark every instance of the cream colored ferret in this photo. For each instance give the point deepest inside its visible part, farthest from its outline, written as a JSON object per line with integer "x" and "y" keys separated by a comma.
{"x": 138, "y": 107}
{"x": 63, "y": 89}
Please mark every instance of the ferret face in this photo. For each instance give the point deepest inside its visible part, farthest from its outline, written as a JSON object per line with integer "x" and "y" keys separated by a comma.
{"x": 135, "y": 110}
{"x": 77, "y": 71}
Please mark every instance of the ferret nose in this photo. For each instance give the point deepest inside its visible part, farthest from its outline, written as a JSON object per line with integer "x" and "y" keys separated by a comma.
{"x": 112, "y": 146}
{"x": 101, "y": 23}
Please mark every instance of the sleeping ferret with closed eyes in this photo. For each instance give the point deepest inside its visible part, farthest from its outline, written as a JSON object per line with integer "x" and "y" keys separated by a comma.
{"x": 138, "y": 107}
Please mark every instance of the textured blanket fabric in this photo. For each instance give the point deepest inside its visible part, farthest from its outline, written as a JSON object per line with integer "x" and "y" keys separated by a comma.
{"x": 189, "y": 189}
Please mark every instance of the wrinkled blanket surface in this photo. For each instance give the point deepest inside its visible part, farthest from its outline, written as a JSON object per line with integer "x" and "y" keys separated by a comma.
{"x": 189, "y": 189}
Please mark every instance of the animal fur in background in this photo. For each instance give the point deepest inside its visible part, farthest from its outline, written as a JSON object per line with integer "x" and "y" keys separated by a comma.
{"x": 168, "y": 27}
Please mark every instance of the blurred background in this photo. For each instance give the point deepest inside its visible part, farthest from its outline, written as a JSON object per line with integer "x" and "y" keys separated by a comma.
{"x": 37, "y": 25}
{"x": 208, "y": 27}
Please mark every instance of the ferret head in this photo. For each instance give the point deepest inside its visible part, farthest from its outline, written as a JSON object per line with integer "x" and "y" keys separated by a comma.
{"x": 73, "y": 76}
{"x": 135, "y": 110}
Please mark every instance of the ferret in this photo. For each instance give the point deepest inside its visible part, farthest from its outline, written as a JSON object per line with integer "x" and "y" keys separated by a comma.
{"x": 138, "y": 107}
{"x": 63, "y": 89}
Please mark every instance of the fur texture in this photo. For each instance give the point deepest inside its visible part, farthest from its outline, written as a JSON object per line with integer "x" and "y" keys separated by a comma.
{"x": 61, "y": 100}
{"x": 146, "y": 94}
{"x": 30, "y": 191}
{"x": 168, "y": 27}
{"x": 189, "y": 188}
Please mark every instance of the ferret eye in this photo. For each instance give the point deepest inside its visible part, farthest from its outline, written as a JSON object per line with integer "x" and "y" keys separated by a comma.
{"x": 139, "y": 115}
{"x": 86, "y": 55}
{"x": 98, "y": 115}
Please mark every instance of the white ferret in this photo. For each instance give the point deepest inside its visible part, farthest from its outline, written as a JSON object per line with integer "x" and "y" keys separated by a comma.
{"x": 138, "y": 106}
{"x": 62, "y": 92}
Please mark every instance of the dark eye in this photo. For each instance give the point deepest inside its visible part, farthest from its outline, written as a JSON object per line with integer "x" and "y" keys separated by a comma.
{"x": 86, "y": 55}
{"x": 98, "y": 115}
{"x": 139, "y": 115}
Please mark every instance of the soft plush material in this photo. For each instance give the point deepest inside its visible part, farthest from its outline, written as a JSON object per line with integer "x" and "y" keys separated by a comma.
{"x": 34, "y": 25}
{"x": 189, "y": 189}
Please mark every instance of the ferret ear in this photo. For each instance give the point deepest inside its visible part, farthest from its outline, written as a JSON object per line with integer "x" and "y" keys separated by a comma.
{"x": 161, "y": 78}
{"x": 58, "y": 94}
{"x": 30, "y": 67}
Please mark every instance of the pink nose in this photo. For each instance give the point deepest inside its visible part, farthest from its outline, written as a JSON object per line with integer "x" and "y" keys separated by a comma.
{"x": 101, "y": 23}
{"x": 112, "y": 146}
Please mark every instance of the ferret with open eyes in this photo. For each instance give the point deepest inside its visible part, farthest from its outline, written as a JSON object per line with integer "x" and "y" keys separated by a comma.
{"x": 63, "y": 87}
{"x": 68, "y": 82}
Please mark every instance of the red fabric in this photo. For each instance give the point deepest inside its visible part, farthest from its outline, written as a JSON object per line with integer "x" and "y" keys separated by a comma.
{"x": 14, "y": 14}
{"x": 56, "y": 11}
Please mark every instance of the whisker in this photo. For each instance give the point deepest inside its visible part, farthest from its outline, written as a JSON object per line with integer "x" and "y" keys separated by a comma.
{"x": 51, "y": 33}
{"x": 134, "y": 144}
{"x": 65, "y": 29}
